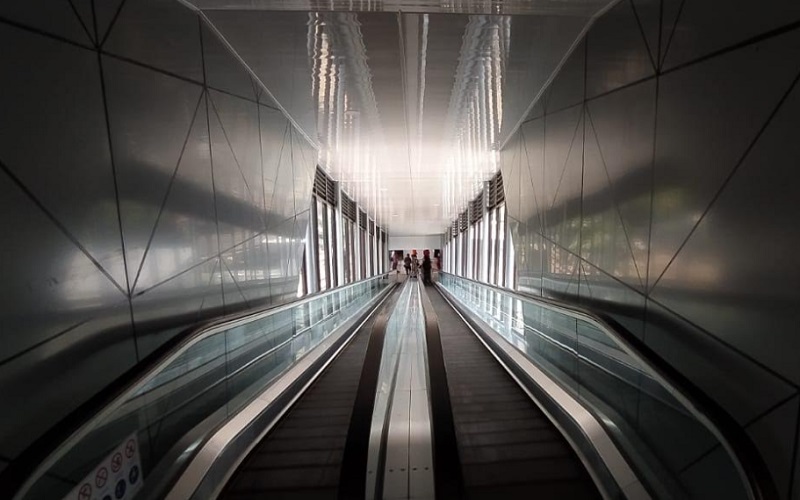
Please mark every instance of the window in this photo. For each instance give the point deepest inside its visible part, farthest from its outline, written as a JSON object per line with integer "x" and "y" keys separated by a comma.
{"x": 347, "y": 250}
{"x": 478, "y": 244}
{"x": 500, "y": 280}
{"x": 371, "y": 239}
{"x": 382, "y": 251}
{"x": 485, "y": 248}
{"x": 470, "y": 251}
{"x": 363, "y": 247}
{"x": 343, "y": 245}
{"x": 322, "y": 253}
{"x": 333, "y": 272}
{"x": 453, "y": 261}
{"x": 349, "y": 219}
{"x": 324, "y": 235}
{"x": 492, "y": 246}
{"x": 457, "y": 255}
{"x": 479, "y": 260}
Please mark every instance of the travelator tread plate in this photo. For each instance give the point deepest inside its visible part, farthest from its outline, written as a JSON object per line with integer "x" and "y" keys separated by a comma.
{"x": 507, "y": 446}
{"x": 301, "y": 457}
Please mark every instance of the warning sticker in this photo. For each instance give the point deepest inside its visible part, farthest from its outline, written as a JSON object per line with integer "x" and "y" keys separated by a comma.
{"x": 85, "y": 492}
{"x": 116, "y": 462}
{"x": 130, "y": 448}
{"x": 101, "y": 477}
{"x": 117, "y": 477}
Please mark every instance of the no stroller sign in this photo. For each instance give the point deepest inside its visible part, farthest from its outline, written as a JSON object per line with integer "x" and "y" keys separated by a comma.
{"x": 117, "y": 477}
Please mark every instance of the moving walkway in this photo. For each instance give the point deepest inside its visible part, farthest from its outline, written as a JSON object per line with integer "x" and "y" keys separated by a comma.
{"x": 386, "y": 389}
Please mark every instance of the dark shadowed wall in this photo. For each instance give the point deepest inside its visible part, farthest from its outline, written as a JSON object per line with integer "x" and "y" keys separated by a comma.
{"x": 656, "y": 180}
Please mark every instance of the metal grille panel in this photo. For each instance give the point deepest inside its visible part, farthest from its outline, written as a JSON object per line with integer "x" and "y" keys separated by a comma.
{"x": 463, "y": 221}
{"x": 362, "y": 219}
{"x": 496, "y": 193}
{"x": 325, "y": 187}
{"x": 349, "y": 208}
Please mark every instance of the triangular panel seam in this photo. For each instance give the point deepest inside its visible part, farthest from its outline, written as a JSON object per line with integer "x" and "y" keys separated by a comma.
{"x": 730, "y": 176}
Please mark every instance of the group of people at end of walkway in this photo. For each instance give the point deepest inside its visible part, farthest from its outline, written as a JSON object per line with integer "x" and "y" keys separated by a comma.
{"x": 412, "y": 266}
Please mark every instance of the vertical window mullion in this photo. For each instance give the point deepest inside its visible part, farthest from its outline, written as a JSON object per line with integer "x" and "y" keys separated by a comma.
{"x": 322, "y": 265}
{"x": 476, "y": 249}
{"x": 470, "y": 251}
{"x": 497, "y": 256}
{"x": 332, "y": 247}
{"x": 456, "y": 254}
{"x": 343, "y": 232}
{"x": 481, "y": 256}
{"x": 363, "y": 253}
{"x": 501, "y": 245}
{"x": 351, "y": 257}
{"x": 370, "y": 238}
{"x": 492, "y": 241}
{"x": 353, "y": 260}
{"x": 485, "y": 247}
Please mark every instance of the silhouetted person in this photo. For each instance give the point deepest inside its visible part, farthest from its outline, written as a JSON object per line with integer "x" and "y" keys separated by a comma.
{"x": 426, "y": 270}
{"x": 407, "y": 263}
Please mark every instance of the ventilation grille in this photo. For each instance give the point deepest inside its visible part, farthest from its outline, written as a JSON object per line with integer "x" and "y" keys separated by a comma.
{"x": 496, "y": 193}
{"x": 362, "y": 219}
{"x": 325, "y": 187}
{"x": 349, "y": 208}
{"x": 476, "y": 209}
{"x": 463, "y": 221}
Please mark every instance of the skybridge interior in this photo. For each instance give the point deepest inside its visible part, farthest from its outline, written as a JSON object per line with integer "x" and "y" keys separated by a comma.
{"x": 399, "y": 249}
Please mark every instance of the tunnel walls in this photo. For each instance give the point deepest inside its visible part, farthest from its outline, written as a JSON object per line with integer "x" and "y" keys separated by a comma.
{"x": 656, "y": 179}
{"x": 146, "y": 183}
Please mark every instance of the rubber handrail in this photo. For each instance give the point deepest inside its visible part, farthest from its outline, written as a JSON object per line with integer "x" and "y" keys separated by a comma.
{"x": 733, "y": 438}
{"x": 353, "y": 472}
{"x": 448, "y": 479}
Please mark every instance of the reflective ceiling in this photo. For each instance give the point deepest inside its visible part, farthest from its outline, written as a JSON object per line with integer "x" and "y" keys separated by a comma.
{"x": 408, "y": 110}
{"x": 539, "y": 7}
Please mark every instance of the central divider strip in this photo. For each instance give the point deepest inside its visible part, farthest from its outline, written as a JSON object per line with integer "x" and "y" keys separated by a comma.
{"x": 353, "y": 475}
{"x": 389, "y": 450}
{"x": 401, "y": 425}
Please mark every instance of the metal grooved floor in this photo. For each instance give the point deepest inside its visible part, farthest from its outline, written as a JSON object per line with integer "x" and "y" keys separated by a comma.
{"x": 301, "y": 458}
{"x": 508, "y": 447}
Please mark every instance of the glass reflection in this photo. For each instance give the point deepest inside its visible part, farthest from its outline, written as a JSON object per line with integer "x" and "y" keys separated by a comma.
{"x": 182, "y": 401}
{"x": 664, "y": 438}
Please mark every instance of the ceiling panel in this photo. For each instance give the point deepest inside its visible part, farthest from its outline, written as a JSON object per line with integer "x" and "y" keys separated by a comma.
{"x": 408, "y": 110}
{"x": 580, "y": 8}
